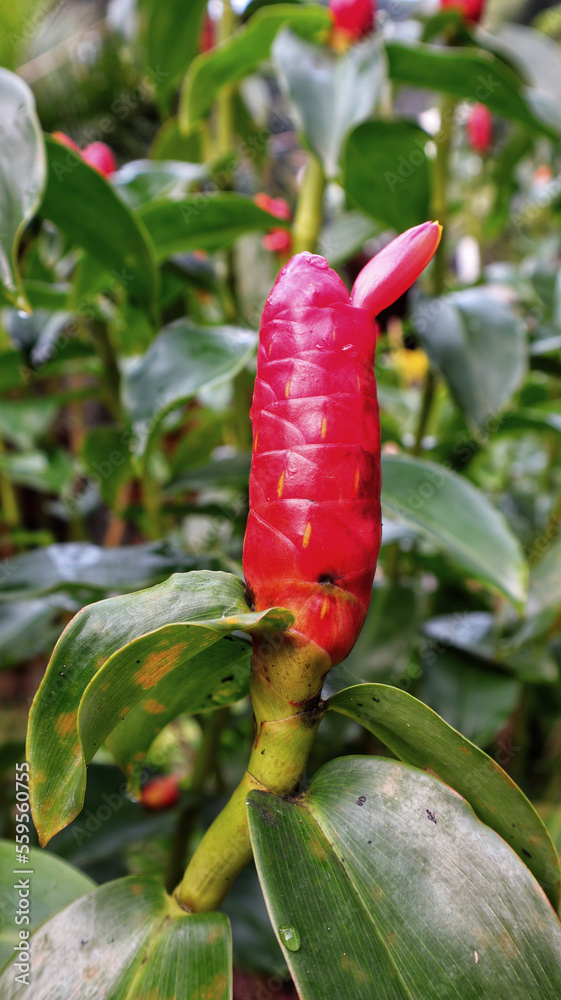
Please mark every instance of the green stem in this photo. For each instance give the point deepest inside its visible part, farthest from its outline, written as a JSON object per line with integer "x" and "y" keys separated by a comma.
{"x": 224, "y": 108}
{"x": 425, "y": 411}
{"x": 111, "y": 387}
{"x": 309, "y": 211}
{"x": 285, "y": 731}
{"x": 8, "y": 501}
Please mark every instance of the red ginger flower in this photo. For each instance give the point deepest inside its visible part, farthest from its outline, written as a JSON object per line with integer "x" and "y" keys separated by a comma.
{"x": 472, "y": 10}
{"x": 480, "y": 128}
{"x": 97, "y": 155}
{"x": 354, "y": 18}
{"x": 314, "y": 526}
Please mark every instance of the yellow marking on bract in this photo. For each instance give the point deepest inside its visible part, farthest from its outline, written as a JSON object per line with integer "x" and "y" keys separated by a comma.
{"x": 324, "y": 427}
{"x": 357, "y": 480}
{"x": 255, "y": 441}
{"x": 358, "y": 382}
{"x": 307, "y": 533}
{"x": 154, "y": 707}
{"x": 280, "y": 485}
{"x": 287, "y": 388}
{"x": 66, "y": 723}
{"x": 270, "y": 347}
{"x": 324, "y": 608}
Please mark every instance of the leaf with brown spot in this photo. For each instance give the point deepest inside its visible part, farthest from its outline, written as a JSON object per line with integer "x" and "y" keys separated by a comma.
{"x": 165, "y": 635}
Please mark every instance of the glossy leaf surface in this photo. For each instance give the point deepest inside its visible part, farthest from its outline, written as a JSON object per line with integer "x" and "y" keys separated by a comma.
{"x": 456, "y": 517}
{"x": 76, "y": 198}
{"x": 381, "y": 882}
{"x": 22, "y": 174}
{"x": 203, "y": 222}
{"x": 386, "y": 172}
{"x": 418, "y": 736}
{"x": 54, "y": 884}
{"x": 233, "y": 59}
{"x": 330, "y": 93}
{"x": 172, "y": 34}
{"x": 127, "y": 940}
{"x": 110, "y": 657}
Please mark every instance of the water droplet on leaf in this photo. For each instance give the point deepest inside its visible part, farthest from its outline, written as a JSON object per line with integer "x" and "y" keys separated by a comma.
{"x": 290, "y": 937}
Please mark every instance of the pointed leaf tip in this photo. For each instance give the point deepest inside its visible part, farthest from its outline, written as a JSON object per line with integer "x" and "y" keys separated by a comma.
{"x": 394, "y": 269}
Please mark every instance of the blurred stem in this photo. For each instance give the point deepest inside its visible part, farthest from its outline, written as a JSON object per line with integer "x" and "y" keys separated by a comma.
{"x": 439, "y": 212}
{"x": 8, "y": 500}
{"x": 111, "y": 387}
{"x": 224, "y": 107}
{"x": 309, "y": 211}
{"x": 205, "y": 765}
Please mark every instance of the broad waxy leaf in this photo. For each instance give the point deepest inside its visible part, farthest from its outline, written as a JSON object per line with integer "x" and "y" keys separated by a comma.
{"x": 386, "y": 172}
{"x": 112, "y": 656}
{"x": 127, "y": 940}
{"x": 381, "y": 882}
{"x": 330, "y": 93}
{"x": 76, "y": 199}
{"x": 467, "y": 75}
{"x": 235, "y": 58}
{"x": 141, "y": 181}
{"x": 54, "y": 884}
{"x": 78, "y": 566}
{"x": 22, "y": 175}
{"x": 221, "y": 678}
{"x": 418, "y": 736}
{"x": 26, "y": 629}
{"x": 172, "y": 33}
{"x": 183, "y": 360}
{"x": 204, "y": 222}
{"x": 479, "y": 345}
{"x": 458, "y": 518}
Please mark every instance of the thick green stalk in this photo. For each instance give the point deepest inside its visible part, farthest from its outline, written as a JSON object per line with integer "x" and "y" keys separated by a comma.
{"x": 8, "y": 501}
{"x": 224, "y": 108}
{"x": 309, "y": 211}
{"x": 285, "y": 731}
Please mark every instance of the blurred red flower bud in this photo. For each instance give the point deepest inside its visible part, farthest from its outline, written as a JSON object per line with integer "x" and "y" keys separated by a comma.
{"x": 277, "y": 240}
{"x": 355, "y": 18}
{"x": 65, "y": 140}
{"x": 480, "y": 128}
{"x": 99, "y": 156}
{"x": 472, "y": 10}
{"x": 207, "y": 37}
{"x": 161, "y": 792}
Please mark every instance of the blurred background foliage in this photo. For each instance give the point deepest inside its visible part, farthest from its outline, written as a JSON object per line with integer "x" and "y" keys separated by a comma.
{"x": 127, "y": 355}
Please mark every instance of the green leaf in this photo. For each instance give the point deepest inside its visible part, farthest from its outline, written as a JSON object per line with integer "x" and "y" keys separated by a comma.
{"x": 109, "y": 658}
{"x": 420, "y": 737}
{"x": 331, "y": 93}
{"x": 381, "y": 881}
{"x": 46, "y": 472}
{"x": 216, "y": 677}
{"x": 183, "y": 360}
{"x": 386, "y": 172}
{"x": 22, "y": 175}
{"x": 468, "y": 75}
{"x": 344, "y": 236}
{"x": 141, "y": 181}
{"x": 458, "y": 518}
{"x": 79, "y": 566}
{"x": 86, "y": 208}
{"x": 128, "y": 940}
{"x": 172, "y": 35}
{"x": 24, "y": 421}
{"x": 479, "y": 345}
{"x": 54, "y": 884}
{"x": 204, "y": 222}
{"x": 108, "y": 460}
{"x": 240, "y": 54}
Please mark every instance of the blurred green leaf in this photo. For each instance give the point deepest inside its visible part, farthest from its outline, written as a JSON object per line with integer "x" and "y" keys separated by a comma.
{"x": 344, "y": 236}
{"x": 479, "y": 345}
{"x": 204, "y": 222}
{"x": 469, "y": 75}
{"x": 183, "y": 360}
{"x": 46, "y": 472}
{"x": 54, "y": 884}
{"x": 362, "y": 872}
{"x": 134, "y": 641}
{"x": 331, "y": 93}
{"x": 108, "y": 460}
{"x": 128, "y": 935}
{"x": 86, "y": 208}
{"x": 22, "y": 175}
{"x": 386, "y": 172}
{"x": 141, "y": 181}
{"x": 26, "y": 629}
{"x": 458, "y": 518}
{"x": 237, "y": 57}
{"x": 24, "y": 421}
{"x": 171, "y": 38}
